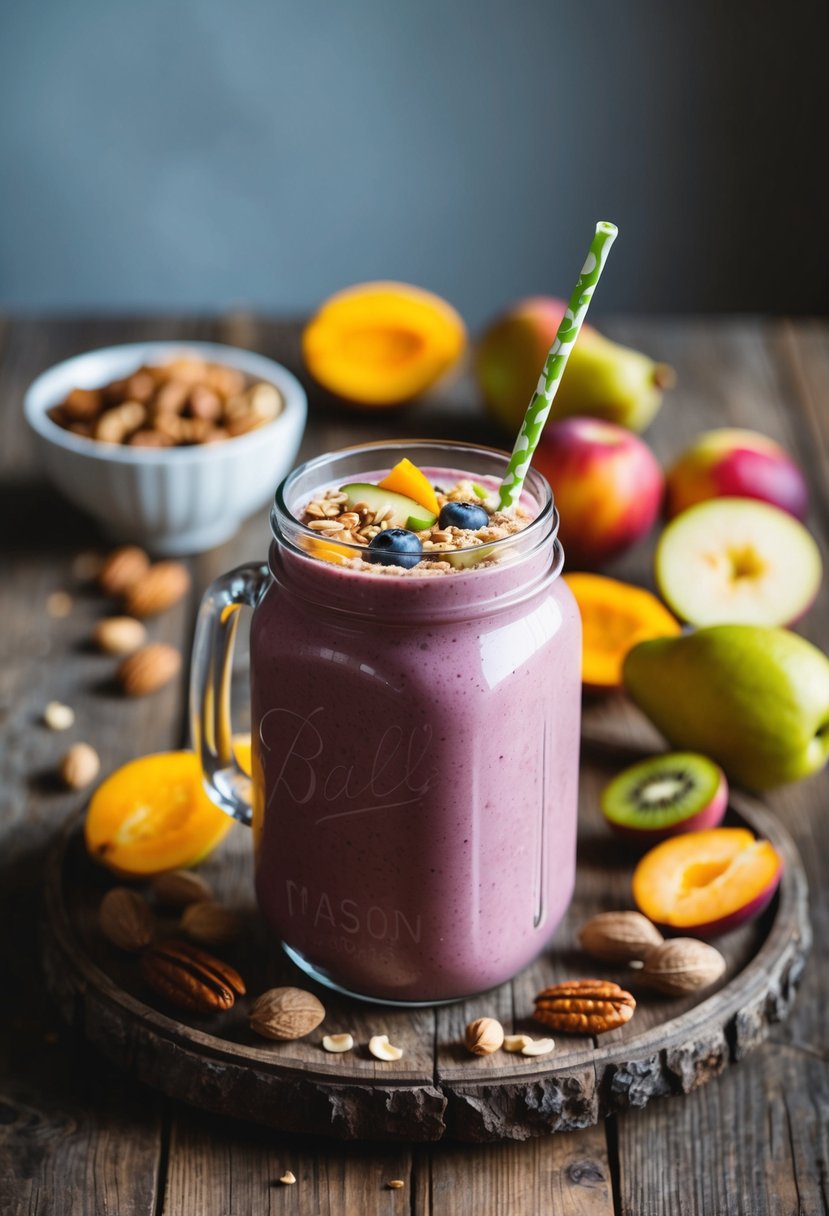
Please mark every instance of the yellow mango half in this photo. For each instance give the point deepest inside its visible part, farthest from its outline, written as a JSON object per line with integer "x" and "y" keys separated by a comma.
{"x": 379, "y": 344}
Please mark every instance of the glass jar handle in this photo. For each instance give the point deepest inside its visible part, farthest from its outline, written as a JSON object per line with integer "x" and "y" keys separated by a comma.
{"x": 226, "y": 783}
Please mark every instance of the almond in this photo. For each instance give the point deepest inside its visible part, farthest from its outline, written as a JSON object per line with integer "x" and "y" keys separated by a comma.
{"x": 119, "y": 635}
{"x": 210, "y": 923}
{"x": 178, "y": 888}
{"x": 126, "y": 920}
{"x": 286, "y": 1013}
{"x": 121, "y": 569}
{"x": 149, "y": 669}
{"x": 79, "y": 766}
{"x": 157, "y": 589}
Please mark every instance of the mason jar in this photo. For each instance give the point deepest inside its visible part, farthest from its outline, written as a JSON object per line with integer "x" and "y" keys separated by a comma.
{"x": 415, "y": 742}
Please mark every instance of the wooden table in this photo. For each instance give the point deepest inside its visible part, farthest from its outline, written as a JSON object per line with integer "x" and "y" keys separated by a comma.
{"x": 77, "y": 1137}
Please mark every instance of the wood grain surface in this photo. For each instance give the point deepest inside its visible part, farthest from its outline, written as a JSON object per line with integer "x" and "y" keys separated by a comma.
{"x": 76, "y": 1138}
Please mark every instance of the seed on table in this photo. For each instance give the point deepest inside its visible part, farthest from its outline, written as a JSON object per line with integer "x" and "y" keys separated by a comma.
{"x": 119, "y": 635}
{"x": 85, "y": 567}
{"x": 59, "y": 604}
{"x": 538, "y": 1047}
{"x": 79, "y": 766}
{"x": 382, "y": 1049}
{"x": 337, "y": 1043}
{"x": 516, "y": 1042}
{"x": 57, "y": 716}
{"x": 288, "y": 1179}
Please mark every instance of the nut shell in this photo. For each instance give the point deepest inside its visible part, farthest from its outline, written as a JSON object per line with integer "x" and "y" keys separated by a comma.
{"x": 619, "y": 937}
{"x": 286, "y": 1013}
{"x": 126, "y": 920}
{"x": 682, "y": 965}
{"x": 584, "y": 1006}
{"x": 163, "y": 585}
{"x": 149, "y": 669}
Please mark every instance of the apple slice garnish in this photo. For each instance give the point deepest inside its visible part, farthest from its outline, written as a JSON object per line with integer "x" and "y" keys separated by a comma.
{"x": 405, "y": 512}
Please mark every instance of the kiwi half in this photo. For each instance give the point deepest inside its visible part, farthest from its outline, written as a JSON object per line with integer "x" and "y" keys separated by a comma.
{"x": 665, "y": 795}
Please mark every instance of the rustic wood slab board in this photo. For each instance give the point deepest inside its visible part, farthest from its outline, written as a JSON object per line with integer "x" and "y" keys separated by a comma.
{"x": 437, "y": 1090}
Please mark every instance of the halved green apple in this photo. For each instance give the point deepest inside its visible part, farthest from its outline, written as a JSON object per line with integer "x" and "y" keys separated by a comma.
{"x": 406, "y": 513}
{"x": 737, "y": 561}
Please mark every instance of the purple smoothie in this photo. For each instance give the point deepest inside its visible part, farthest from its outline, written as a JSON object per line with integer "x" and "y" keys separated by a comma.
{"x": 417, "y": 743}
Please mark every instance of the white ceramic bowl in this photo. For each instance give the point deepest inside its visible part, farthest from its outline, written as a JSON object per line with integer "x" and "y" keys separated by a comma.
{"x": 172, "y": 500}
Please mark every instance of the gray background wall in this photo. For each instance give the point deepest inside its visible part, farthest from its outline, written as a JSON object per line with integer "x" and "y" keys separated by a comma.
{"x": 206, "y": 154}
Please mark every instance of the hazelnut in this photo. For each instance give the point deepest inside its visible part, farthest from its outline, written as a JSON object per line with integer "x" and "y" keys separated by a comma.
{"x": 483, "y": 1036}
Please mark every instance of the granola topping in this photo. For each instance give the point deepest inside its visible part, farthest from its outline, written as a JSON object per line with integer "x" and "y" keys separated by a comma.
{"x": 332, "y": 519}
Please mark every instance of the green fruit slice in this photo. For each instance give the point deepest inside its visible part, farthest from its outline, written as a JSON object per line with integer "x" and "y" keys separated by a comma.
{"x": 737, "y": 561}
{"x": 665, "y": 795}
{"x": 406, "y": 513}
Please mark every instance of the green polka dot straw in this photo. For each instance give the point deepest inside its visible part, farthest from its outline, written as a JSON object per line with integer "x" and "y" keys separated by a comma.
{"x": 548, "y": 382}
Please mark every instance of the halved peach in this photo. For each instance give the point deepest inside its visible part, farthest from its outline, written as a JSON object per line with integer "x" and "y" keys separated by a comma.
{"x": 705, "y": 883}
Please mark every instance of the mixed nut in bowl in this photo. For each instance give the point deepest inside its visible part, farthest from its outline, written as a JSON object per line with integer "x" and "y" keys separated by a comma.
{"x": 166, "y": 443}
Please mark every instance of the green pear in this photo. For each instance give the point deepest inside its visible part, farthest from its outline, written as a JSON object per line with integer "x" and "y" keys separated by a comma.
{"x": 752, "y": 698}
{"x": 605, "y": 380}
{"x": 602, "y": 379}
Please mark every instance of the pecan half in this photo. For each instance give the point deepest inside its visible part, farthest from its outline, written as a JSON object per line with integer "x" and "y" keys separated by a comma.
{"x": 584, "y": 1006}
{"x": 191, "y": 978}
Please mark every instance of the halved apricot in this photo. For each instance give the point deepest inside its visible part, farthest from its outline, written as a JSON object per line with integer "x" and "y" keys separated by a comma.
{"x": 705, "y": 883}
{"x": 153, "y": 815}
{"x": 614, "y": 617}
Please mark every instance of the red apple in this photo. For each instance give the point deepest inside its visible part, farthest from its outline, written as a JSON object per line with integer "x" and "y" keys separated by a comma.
{"x": 607, "y": 485}
{"x": 735, "y": 463}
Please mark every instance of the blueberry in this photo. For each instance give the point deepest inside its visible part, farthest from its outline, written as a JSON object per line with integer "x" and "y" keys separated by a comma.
{"x": 463, "y": 515}
{"x": 395, "y": 547}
